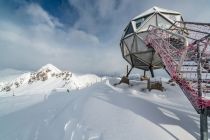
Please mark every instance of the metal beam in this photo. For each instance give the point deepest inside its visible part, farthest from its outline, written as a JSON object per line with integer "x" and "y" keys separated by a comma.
{"x": 129, "y": 71}
{"x": 203, "y": 112}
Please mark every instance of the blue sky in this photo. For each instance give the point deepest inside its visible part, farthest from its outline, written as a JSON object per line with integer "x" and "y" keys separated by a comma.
{"x": 76, "y": 35}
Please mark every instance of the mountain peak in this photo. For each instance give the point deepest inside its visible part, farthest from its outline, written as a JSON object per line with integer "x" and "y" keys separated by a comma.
{"x": 50, "y": 67}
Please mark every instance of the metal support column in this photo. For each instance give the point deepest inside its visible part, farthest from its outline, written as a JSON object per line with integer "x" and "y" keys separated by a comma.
{"x": 203, "y": 125}
{"x": 203, "y": 111}
{"x": 151, "y": 71}
{"x": 129, "y": 71}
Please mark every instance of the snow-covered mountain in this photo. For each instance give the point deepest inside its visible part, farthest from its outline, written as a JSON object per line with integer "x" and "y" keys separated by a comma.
{"x": 47, "y": 78}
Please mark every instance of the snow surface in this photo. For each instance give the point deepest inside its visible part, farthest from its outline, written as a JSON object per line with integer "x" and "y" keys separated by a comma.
{"x": 100, "y": 111}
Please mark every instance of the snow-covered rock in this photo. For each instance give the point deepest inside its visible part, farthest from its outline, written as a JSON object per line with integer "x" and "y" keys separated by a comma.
{"x": 47, "y": 78}
{"x": 49, "y": 68}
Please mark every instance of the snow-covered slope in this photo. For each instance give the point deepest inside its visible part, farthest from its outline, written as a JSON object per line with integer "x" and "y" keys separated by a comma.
{"x": 100, "y": 112}
{"x": 46, "y": 79}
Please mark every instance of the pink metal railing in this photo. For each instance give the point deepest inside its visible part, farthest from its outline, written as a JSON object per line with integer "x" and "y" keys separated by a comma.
{"x": 174, "y": 50}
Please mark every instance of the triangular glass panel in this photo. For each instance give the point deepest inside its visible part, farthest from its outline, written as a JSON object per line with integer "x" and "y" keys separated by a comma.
{"x": 129, "y": 42}
{"x": 163, "y": 22}
{"x": 129, "y": 29}
{"x": 146, "y": 24}
{"x": 139, "y": 21}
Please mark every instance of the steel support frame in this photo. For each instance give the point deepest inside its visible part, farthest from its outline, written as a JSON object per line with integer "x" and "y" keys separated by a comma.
{"x": 202, "y": 105}
{"x": 203, "y": 111}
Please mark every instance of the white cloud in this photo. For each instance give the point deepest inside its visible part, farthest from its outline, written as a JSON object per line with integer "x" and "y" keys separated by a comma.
{"x": 82, "y": 39}
{"x": 34, "y": 45}
{"x": 106, "y": 7}
{"x": 41, "y": 16}
{"x": 91, "y": 45}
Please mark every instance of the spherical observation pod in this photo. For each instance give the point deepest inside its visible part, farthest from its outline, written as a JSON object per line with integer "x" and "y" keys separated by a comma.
{"x": 133, "y": 47}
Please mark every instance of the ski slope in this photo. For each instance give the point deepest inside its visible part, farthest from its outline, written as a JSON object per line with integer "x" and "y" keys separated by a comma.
{"x": 100, "y": 112}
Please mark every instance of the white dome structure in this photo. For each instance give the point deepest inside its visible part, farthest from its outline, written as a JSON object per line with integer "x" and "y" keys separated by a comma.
{"x": 133, "y": 47}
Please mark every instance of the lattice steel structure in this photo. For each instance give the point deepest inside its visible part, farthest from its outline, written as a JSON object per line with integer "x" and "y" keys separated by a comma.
{"x": 133, "y": 47}
{"x": 185, "y": 53}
